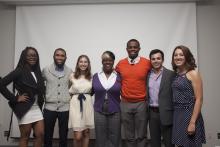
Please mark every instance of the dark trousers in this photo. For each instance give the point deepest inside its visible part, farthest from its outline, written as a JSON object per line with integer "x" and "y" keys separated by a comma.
{"x": 108, "y": 130}
{"x": 157, "y": 130}
{"x": 134, "y": 120}
{"x": 49, "y": 121}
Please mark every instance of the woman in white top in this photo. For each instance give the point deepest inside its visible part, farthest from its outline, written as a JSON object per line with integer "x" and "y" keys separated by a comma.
{"x": 81, "y": 113}
{"x": 106, "y": 87}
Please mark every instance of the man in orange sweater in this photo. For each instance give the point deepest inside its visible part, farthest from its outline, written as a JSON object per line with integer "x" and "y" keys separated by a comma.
{"x": 133, "y": 71}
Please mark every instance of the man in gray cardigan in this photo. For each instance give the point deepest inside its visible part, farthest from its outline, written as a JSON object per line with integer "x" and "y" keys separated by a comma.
{"x": 160, "y": 100}
{"x": 57, "y": 98}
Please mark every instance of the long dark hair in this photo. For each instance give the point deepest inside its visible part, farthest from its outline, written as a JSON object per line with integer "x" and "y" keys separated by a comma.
{"x": 190, "y": 60}
{"x": 22, "y": 64}
{"x": 77, "y": 73}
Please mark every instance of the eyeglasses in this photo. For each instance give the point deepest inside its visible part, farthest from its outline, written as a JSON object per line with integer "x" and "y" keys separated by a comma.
{"x": 31, "y": 56}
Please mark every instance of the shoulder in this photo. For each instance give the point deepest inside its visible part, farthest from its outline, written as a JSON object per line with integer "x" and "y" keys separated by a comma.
{"x": 122, "y": 61}
{"x": 169, "y": 74}
{"x": 95, "y": 75}
{"x": 17, "y": 72}
{"x": 168, "y": 71}
{"x": 145, "y": 61}
{"x": 68, "y": 69}
{"x": 71, "y": 76}
{"x": 193, "y": 75}
{"x": 45, "y": 72}
{"x": 118, "y": 76}
{"x": 121, "y": 64}
{"x": 46, "y": 68}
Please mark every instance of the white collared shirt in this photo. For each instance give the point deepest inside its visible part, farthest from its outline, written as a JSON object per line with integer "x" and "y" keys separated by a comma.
{"x": 35, "y": 102}
{"x": 135, "y": 61}
{"x": 154, "y": 87}
{"x": 107, "y": 83}
{"x": 33, "y": 74}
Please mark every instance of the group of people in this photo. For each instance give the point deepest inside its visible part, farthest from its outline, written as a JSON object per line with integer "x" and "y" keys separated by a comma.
{"x": 135, "y": 92}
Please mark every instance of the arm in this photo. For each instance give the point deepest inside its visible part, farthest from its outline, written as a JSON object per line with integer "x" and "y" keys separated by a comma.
{"x": 4, "y": 82}
{"x": 196, "y": 80}
{"x": 117, "y": 68}
{"x": 71, "y": 84}
{"x": 44, "y": 73}
{"x": 44, "y": 78}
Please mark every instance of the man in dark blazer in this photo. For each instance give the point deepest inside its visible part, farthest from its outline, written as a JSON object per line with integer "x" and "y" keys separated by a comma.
{"x": 160, "y": 100}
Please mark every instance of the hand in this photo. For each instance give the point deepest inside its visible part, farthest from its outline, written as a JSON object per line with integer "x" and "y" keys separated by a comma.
{"x": 191, "y": 128}
{"x": 23, "y": 98}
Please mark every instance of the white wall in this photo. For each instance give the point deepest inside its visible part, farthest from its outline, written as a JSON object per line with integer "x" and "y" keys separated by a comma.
{"x": 7, "y": 35}
{"x": 82, "y": 29}
{"x": 208, "y": 23}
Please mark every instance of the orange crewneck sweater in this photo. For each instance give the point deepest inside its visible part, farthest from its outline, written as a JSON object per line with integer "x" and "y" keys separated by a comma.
{"x": 133, "y": 79}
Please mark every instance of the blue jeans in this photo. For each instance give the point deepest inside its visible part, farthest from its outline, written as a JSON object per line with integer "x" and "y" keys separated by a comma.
{"x": 49, "y": 121}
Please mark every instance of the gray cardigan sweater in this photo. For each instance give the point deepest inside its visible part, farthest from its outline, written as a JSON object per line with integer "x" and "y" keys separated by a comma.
{"x": 57, "y": 89}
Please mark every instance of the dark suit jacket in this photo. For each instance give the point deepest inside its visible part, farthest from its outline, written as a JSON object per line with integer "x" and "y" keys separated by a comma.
{"x": 24, "y": 82}
{"x": 165, "y": 97}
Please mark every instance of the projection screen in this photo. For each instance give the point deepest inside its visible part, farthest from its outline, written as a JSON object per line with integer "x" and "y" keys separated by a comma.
{"x": 92, "y": 29}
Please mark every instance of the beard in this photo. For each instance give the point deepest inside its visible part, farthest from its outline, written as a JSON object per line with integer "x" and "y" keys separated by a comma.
{"x": 59, "y": 65}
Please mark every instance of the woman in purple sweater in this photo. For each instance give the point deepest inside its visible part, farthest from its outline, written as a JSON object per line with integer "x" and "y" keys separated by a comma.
{"x": 106, "y": 86}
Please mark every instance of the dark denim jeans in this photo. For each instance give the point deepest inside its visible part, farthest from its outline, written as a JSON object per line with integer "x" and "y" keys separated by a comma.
{"x": 50, "y": 118}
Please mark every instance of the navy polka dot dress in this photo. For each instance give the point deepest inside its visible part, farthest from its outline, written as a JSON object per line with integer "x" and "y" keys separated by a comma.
{"x": 183, "y": 99}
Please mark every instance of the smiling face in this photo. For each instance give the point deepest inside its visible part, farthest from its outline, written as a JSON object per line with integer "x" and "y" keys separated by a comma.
{"x": 179, "y": 58}
{"x": 107, "y": 63}
{"x": 31, "y": 57}
{"x": 59, "y": 57}
{"x": 83, "y": 64}
{"x": 133, "y": 49}
{"x": 156, "y": 61}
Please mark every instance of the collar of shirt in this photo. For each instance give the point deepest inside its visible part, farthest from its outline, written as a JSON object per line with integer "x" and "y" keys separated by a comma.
{"x": 134, "y": 61}
{"x": 107, "y": 83}
{"x": 154, "y": 87}
{"x": 152, "y": 73}
{"x": 33, "y": 74}
{"x": 59, "y": 71}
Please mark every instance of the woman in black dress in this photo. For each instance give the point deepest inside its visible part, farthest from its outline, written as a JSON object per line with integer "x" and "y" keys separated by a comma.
{"x": 188, "y": 126}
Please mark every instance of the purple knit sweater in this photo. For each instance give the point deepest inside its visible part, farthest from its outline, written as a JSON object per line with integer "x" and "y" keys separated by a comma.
{"x": 113, "y": 94}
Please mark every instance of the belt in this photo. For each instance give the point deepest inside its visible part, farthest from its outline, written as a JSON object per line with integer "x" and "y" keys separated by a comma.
{"x": 154, "y": 109}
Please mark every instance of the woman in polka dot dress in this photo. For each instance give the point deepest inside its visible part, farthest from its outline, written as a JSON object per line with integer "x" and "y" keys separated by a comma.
{"x": 188, "y": 126}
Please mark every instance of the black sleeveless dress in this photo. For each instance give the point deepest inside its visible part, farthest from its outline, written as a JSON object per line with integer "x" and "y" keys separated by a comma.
{"x": 184, "y": 101}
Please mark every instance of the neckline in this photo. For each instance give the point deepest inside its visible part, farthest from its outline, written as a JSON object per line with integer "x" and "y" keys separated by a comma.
{"x": 183, "y": 73}
{"x": 97, "y": 76}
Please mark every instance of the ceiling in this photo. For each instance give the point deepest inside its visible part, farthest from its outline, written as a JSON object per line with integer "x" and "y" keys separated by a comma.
{"x": 63, "y": 2}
